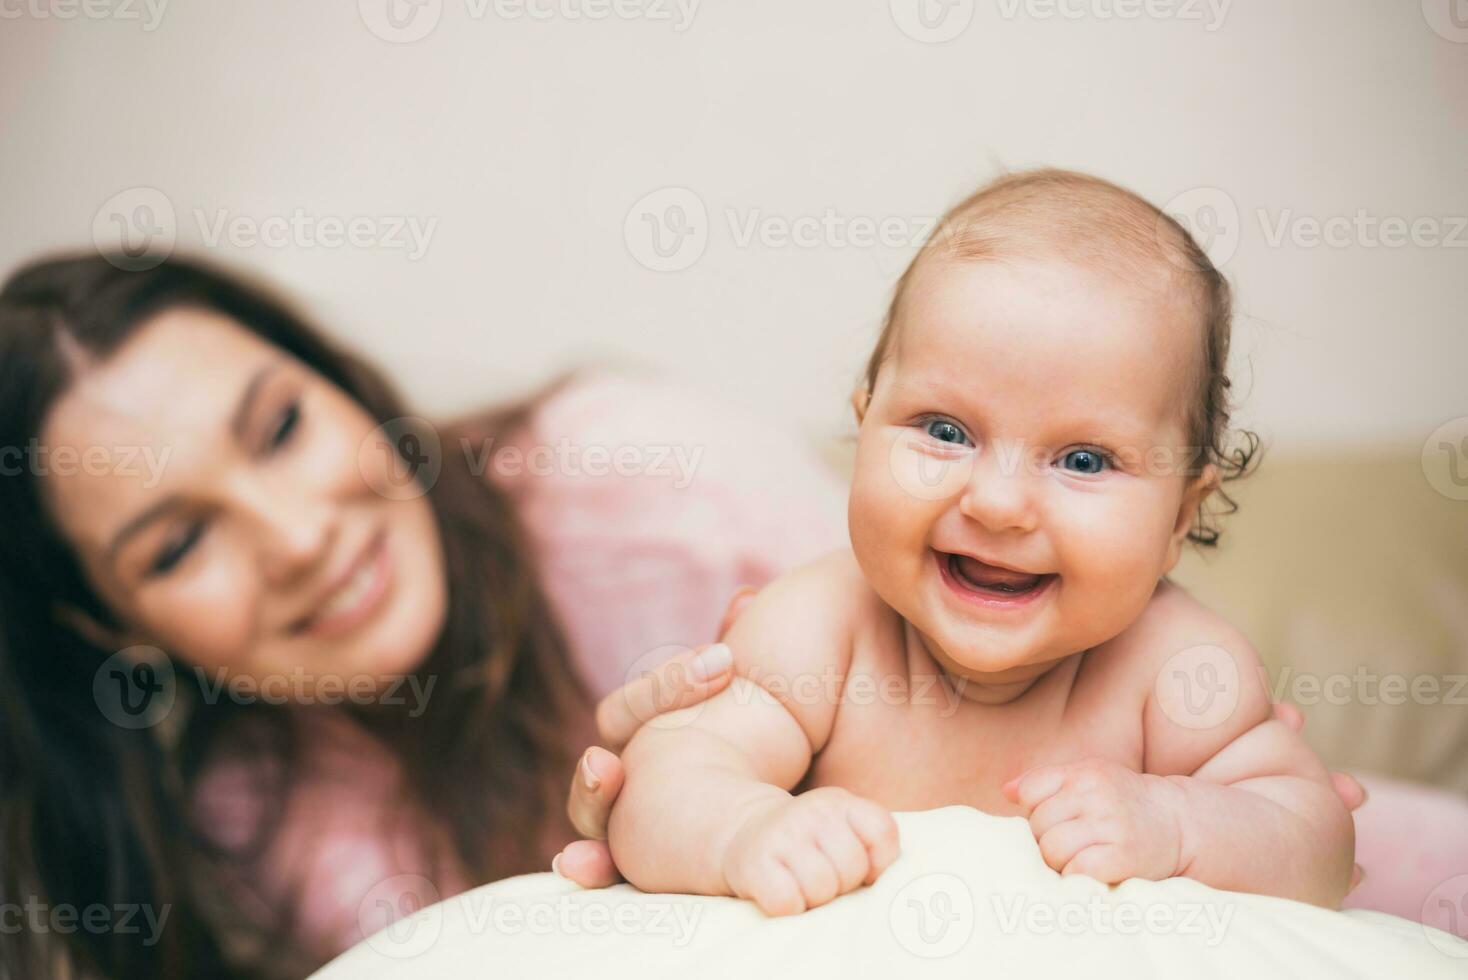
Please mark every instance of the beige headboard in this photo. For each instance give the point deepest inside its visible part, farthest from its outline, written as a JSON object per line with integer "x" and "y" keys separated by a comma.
{"x": 1350, "y": 574}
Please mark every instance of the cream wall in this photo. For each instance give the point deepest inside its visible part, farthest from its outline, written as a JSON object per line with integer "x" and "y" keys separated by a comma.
{"x": 528, "y": 142}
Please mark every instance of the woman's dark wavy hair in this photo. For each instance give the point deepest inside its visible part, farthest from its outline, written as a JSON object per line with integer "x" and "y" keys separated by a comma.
{"x": 91, "y": 812}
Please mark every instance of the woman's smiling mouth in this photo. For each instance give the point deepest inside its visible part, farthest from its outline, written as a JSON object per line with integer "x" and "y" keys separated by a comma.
{"x": 357, "y": 596}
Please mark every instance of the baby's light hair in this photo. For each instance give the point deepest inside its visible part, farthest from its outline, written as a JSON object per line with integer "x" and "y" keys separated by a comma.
{"x": 1090, "y": 221}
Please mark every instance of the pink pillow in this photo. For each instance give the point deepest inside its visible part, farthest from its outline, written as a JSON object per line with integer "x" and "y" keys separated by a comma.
{"x": 1412, "y": 843}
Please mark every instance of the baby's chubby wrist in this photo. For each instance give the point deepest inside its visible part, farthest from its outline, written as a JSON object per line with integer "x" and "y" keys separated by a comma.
{"x": 760, "y": 801}
{"x": 1172, "y": 798}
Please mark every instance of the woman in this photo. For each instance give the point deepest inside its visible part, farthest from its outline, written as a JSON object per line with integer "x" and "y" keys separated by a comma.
{"x": 436, "y": 640}
{"x": 281, "y": 663}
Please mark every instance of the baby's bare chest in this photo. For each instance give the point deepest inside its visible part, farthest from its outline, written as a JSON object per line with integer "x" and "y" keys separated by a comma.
{"x": 915, "y": 742}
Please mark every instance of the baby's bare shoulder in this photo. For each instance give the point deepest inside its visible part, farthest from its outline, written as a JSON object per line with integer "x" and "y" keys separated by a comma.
{"x": 1171, "y": 623}
{"x": 803, "y": 621}
{"x": 797, "y": 635}
{"x": 1198, "y": 679}
{"x": 1174, "y": 621}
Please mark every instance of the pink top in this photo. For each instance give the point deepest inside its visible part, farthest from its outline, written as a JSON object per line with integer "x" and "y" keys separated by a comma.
{"x": 639, "y": 550}
{"x": 636, "y": 556}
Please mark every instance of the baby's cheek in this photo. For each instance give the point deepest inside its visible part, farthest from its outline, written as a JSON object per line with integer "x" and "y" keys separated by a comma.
{"x": 889, "y": 527}
{"x": 1109, "y": 562}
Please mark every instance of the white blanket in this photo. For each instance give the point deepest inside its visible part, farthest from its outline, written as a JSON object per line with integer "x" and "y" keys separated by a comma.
{"x": 969, "y": 897}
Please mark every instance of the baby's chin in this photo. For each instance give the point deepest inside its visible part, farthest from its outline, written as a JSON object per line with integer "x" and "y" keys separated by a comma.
{"x": 999, "y": 652}
{"x": 993, "y": 662}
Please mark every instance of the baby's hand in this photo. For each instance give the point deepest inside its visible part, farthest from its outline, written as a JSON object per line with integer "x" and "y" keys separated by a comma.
{"x": 804, "y": 851}
{"x": 1099, "y": 818}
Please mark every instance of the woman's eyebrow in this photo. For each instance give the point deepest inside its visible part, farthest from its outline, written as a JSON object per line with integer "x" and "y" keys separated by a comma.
{"x": 237, "y": 426}
{"x": 247, "y": 400}
{"x": 137, "y": 524}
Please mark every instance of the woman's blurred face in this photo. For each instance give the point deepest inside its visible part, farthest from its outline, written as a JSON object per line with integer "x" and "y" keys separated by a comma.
{"x": 254, "y": 541}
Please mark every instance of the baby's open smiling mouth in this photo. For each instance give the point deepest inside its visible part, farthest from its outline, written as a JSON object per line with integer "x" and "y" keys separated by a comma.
{"x": 990, "y": 585}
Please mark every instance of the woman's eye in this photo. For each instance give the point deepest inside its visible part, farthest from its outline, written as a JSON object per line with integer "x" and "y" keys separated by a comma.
{"x": 945, "y": 431}
{"x": 1087, "y": 461}
{"x": 177, "y": 547}
{"x": 285, "y": 425}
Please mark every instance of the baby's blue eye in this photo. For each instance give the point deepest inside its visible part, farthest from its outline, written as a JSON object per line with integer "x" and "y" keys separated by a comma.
{"x": 1086, "y": 461}
{"x": 945, "y": 431}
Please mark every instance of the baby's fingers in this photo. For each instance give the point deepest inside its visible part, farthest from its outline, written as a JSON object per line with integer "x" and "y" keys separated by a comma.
{"x": 773, "y": 887}
{"x": 1062, "y": 843}
{"x": 847, "y": 854}
{"x": 1054, "y": 811}
{"x": 877, "y": 830}
{"x": 814, "y": 872}
{"x": 1034, "y": 786}
{"x": 1104, "y": 862}
{"x": 588, "y": 863}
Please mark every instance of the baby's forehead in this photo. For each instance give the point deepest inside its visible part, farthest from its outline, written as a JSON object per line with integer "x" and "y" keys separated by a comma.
{"x": 1041, "y": 326}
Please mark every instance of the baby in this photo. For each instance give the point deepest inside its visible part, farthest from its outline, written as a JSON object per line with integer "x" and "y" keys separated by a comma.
{"x": 1000, "y": 633}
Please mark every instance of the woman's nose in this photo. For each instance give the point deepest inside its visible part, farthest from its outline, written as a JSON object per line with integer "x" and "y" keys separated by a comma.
{"x": 295, "y": 532}
{"x": 998, "y": 493}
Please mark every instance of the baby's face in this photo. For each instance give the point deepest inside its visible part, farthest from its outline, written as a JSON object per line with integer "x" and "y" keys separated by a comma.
{"x": 1021, "y": 479}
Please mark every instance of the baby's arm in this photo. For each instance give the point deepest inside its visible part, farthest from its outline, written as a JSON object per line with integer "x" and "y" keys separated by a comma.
{"x": 1228, "y": 795}
{"x": 1257, "y": 811}
{"x": 706, "y": 807}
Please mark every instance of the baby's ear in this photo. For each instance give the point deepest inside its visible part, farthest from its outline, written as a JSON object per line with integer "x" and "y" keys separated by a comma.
{"x": 860, "y": 398}
{"x": 1198, "y": 490}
